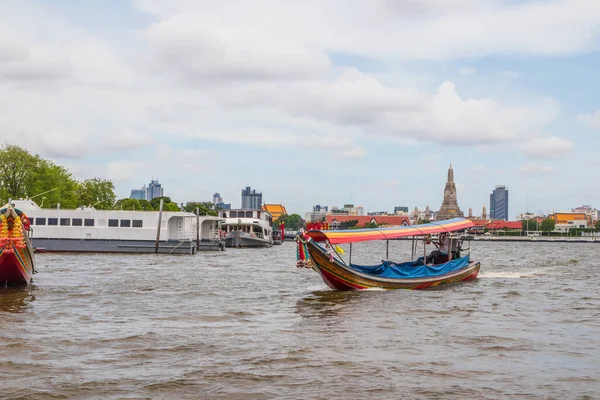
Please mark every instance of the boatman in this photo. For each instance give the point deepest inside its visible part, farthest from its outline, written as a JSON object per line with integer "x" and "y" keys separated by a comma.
{"x": 441, "y": 254}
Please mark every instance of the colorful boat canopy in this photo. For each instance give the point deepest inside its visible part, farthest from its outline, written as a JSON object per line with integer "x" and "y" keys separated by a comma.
{"x": 364, "y": 235}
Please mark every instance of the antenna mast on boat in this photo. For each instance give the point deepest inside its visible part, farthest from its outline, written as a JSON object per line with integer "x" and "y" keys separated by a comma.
{"x": 47, "y": 191}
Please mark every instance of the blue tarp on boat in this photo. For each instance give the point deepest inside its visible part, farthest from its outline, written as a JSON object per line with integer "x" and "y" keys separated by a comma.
{"x": 411, "y": 269}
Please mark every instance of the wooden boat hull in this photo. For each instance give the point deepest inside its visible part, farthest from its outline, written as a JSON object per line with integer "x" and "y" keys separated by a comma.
{"x": 338, "y": 276}
{"x": 16, "y": 265}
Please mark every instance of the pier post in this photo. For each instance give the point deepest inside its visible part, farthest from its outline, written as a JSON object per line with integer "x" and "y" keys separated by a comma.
{"x": 350, "y": 257}
{"x": 160, "y": 209}
{"x": 197, "y": 228}
{"x": 387, "y": 249}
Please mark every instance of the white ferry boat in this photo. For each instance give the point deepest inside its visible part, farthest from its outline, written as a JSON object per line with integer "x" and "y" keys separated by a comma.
{"x": 86, "y": 229}
{"x": 247, "y": 228}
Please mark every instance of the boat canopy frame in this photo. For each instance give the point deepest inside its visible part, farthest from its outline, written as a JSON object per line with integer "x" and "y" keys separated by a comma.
{"x": 397, "y": 232}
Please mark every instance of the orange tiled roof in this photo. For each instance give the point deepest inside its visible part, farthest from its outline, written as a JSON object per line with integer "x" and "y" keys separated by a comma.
{"x": 276, "y": 210}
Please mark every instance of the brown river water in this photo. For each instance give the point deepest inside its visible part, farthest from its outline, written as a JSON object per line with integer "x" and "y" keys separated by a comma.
{"x": 246, "y": 324}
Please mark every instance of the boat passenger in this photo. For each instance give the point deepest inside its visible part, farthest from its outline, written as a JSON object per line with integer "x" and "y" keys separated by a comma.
{"x": 441, "y": 254}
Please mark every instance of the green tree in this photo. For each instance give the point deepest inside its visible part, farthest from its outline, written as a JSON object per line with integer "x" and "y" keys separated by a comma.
{"x": 349, "y": 224}
{"x": 54, "y": 184}
{"x": 128, "y": 204}
{"x": 155, "y": 202}
{"x": 25, "y": 175}
{"x": 294, "y": 222}
{"x": 170, "y": 207}
{"x": 145, "y": 205}
{"x": 204, "y": 208}
{"x": 547, "y": 225}
{"x": 17, "y": 171}
{"x": 529, "y": 225}
{"x": 597, "y": 225}
{"x": 371, "y": 225}
{"x": 97, "y": 192}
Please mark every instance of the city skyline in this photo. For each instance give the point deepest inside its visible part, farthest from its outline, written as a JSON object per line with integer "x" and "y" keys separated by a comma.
{"x": 506, "y": 91}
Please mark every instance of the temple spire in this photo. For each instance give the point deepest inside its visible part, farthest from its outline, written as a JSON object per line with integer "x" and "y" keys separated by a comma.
{"x": 449, "y": 208}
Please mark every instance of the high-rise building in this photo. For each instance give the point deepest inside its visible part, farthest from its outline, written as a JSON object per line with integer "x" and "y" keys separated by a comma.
{"x": 449, "y": 208}
{"x": 139, "y": 194}
{"x": 499, "y": 203}
{"x": 217, "y": 198}
{"x": 154, "y": 190}
{"x": 218, "y": 202}
{"x": 251, "y": 199}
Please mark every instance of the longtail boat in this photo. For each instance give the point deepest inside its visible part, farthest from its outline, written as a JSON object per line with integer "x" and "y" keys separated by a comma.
{"x": 16, "y": 252}
{"x": 317, "y": 249}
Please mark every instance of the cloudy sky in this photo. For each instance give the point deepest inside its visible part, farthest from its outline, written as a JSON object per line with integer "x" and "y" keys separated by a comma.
{"x": 312, "y": 102}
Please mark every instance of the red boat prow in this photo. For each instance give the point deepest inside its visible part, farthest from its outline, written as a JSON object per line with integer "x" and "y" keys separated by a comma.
{"x": 16, "y": 252}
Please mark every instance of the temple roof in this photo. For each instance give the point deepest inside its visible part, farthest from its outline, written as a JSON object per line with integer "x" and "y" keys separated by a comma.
{"x": 276, "y": 210}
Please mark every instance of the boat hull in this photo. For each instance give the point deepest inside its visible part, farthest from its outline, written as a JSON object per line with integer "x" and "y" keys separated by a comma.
{"x": 338, "y": 276}
{"x": 234, "y": 239}
{"x": 16, "y": 265}
{"x": 48, "y": 245}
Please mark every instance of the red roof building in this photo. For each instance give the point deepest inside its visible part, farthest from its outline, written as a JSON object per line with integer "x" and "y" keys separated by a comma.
{"x": 496, "y": 225}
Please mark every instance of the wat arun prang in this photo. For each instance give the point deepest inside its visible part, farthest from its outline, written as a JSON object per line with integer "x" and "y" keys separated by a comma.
{"x": 450, "y": 208}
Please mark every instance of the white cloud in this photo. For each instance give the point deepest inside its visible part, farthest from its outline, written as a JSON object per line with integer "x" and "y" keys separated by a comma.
{"x": 198, "y": 49}
{"x": 467, "y": 71}
{"x": 512, "y": 74}
{"x": 551, "y": 148}
{"x": 479, "y": 168}
{"x": 391, "y": 183}
{"x": 592, "y": 120}
{"x": 441, "y": 32}
{"x": 537, "y": 169}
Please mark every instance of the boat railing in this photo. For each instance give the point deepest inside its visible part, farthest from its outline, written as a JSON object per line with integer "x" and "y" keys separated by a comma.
{"x": 214, "y": 235}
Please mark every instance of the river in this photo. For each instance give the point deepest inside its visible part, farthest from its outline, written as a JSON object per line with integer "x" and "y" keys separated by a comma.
{"x": 246, "y": 324}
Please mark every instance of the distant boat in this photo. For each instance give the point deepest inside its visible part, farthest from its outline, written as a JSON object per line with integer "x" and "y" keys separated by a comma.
{"x": 16, "y": 252}
{"x": 247, "y": 228}
{"x": 277, "y": 239}
{"x": 317, "y": 250}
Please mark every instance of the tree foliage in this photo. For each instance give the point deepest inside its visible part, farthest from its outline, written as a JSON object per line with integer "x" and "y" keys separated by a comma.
{"x": 293, "y": 221}
{"x": 529, "y": 225}
{"x": 597, "y": 225}
{"x": 170, "y": 207}
{"x": 349, "y": 224}
{"x": 547, "y": 225}
{"x": 128, "y": 204}
{"x": 23, "y": 174}
{"x": 155, "y": 202}
{"x": 372, "y": 225}
{"x": 204, "y": 208}
{"x": 96, "y": 192}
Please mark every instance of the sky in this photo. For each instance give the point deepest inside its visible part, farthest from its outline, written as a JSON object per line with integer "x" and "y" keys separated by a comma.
{"x": 312, "y": 102}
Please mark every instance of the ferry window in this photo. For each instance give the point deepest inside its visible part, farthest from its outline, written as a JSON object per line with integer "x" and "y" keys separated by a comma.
{"x": 52, "y": 221}
{"x": 65, "y": 222}
{"x": 77, "y": 222}
{"x": 137, "y": 223}
{"x": 249, "y": 214}
{"x": 233, "y": 214}
{"x": 113, "y": 222}
{"x": 40, "y": 221}
{"x": 125, "y": 223}
{"x": 88, "y": 222}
